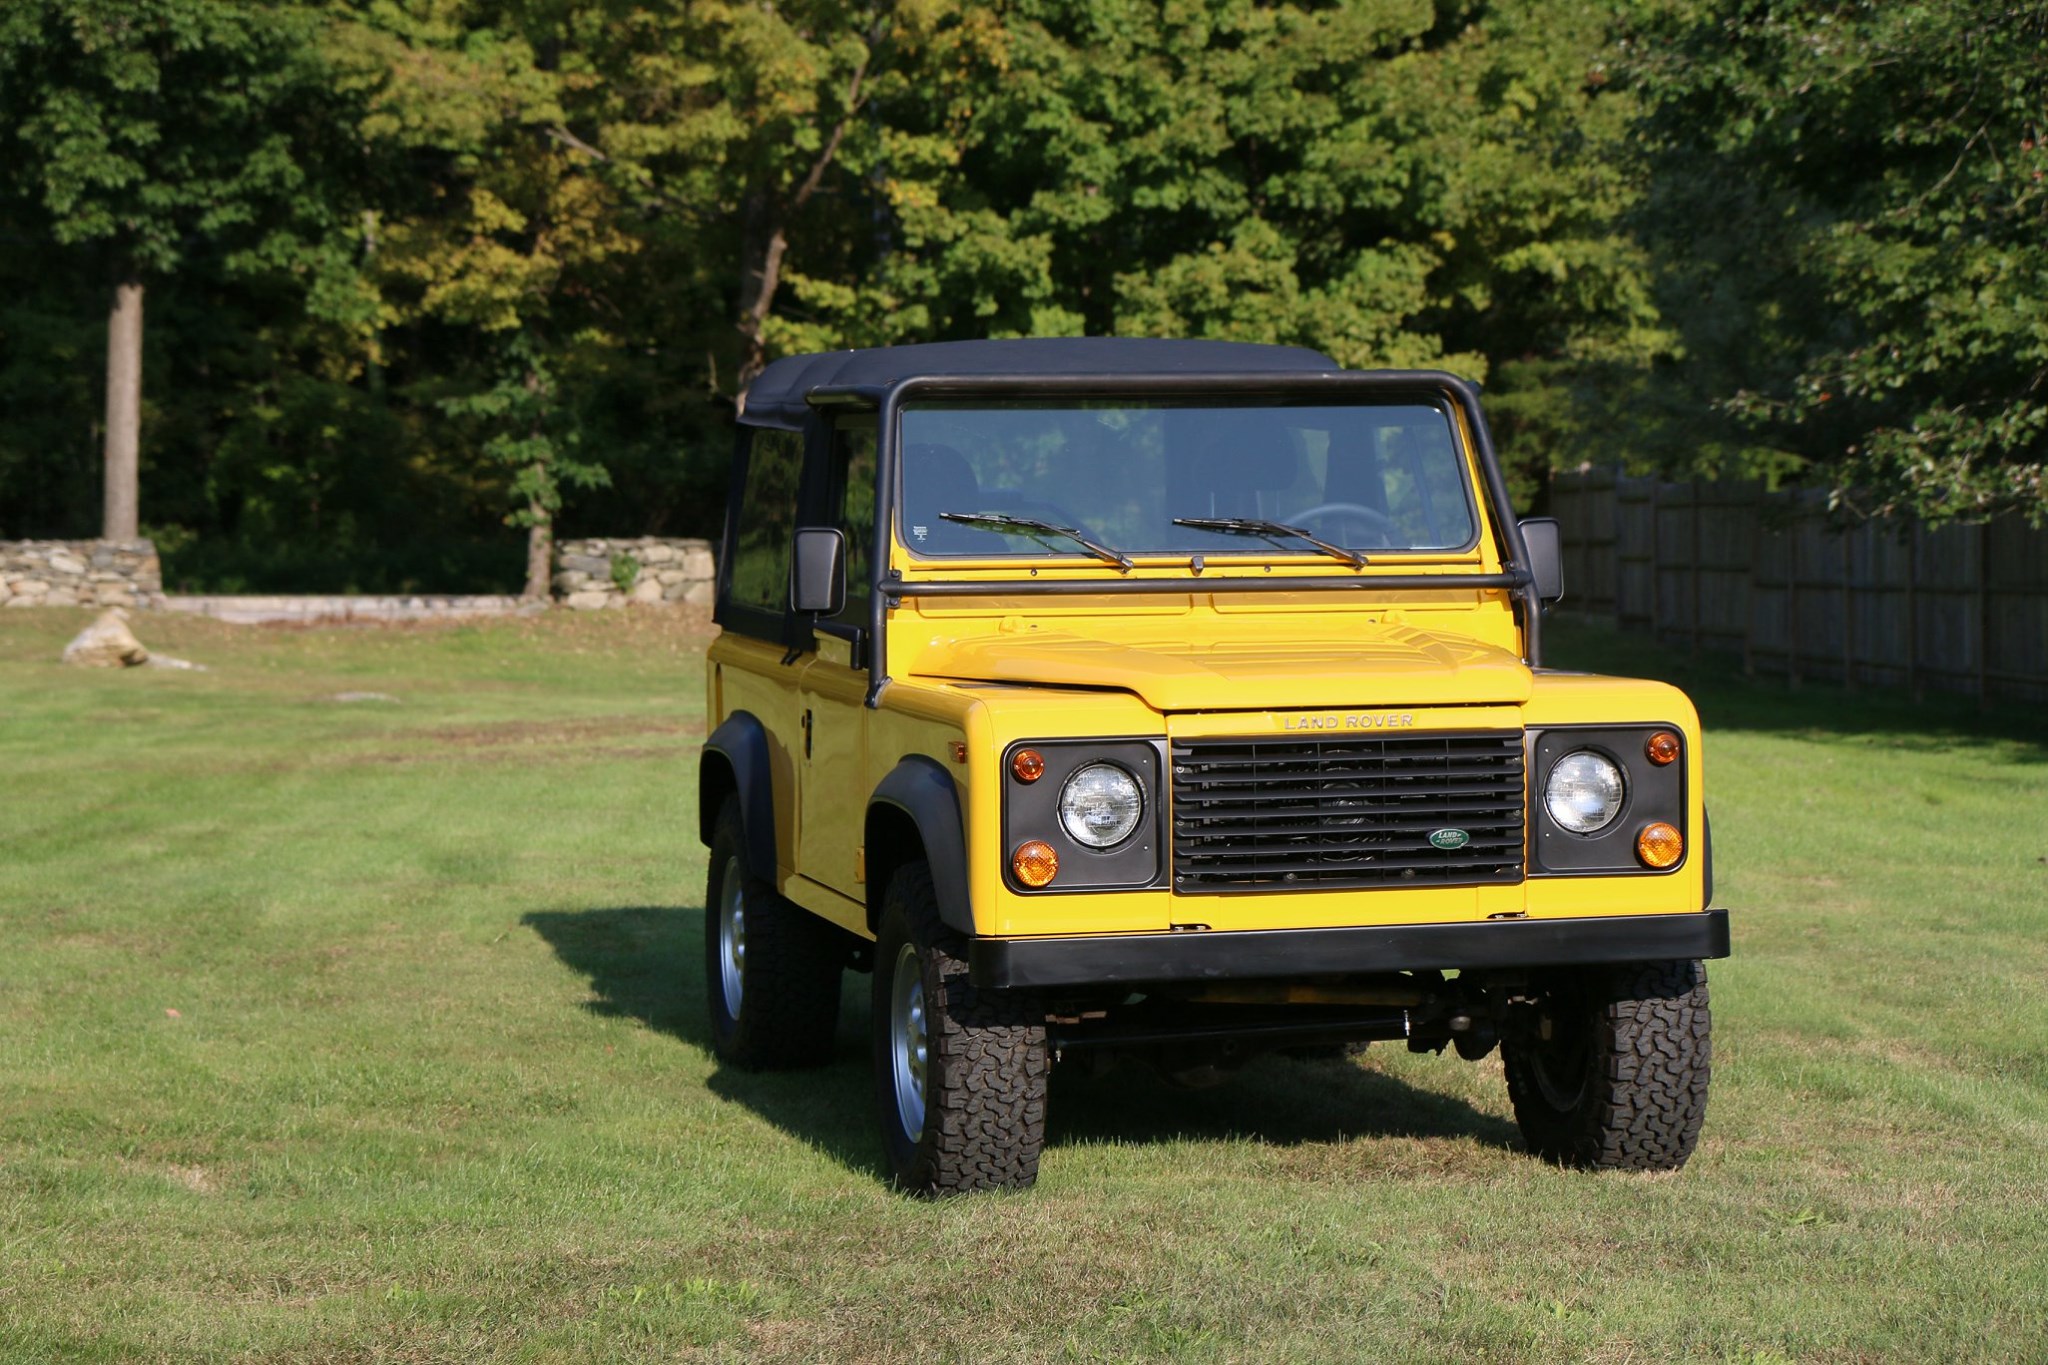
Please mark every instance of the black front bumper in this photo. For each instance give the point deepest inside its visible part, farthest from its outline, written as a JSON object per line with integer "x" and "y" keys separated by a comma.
{"x": 1200, "y": 955}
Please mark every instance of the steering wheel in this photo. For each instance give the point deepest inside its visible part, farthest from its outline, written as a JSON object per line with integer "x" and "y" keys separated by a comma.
{"x": 1385, "y": 529}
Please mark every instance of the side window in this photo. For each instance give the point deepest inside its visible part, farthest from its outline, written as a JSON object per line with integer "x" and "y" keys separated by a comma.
{"x": 852, "y": 510}
{"x": 767, "y": 520}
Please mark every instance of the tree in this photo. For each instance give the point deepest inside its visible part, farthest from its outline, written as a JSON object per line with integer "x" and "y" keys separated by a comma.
{"x": 772, "y": 139}
{"x": 1851, "y": 202}
{"x": 1396, "y": 183}
{"x": 501, "y": 241}
{"x": 140, "y": 127}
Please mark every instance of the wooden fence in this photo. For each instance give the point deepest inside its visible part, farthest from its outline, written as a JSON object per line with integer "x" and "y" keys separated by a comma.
{"x": 1770, "y": 576}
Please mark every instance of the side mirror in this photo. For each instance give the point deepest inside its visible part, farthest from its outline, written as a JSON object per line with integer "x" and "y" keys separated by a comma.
{"x": 1546, "y": 556}
{"x": 817, "y": 571}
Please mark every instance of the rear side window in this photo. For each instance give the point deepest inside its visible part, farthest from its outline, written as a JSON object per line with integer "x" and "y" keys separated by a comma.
{"x": 852, "y": 503}
{"x": 767, "y": 521}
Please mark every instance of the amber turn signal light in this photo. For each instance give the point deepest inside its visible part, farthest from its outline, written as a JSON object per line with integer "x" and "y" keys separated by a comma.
{"x": 1660, "y": 845}
{"x": 1027, "y": 765}
{"x": 1661, "y": 748}
{"x": 1035, "y": 863}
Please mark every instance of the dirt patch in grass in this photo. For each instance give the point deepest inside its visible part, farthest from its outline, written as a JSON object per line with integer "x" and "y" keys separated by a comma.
{"x": 540, "y": 734}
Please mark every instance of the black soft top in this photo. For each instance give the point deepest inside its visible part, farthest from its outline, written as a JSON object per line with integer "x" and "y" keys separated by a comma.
{"x": 777, "y": 398}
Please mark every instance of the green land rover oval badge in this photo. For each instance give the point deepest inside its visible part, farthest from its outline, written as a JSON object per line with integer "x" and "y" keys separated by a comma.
{"x": 1449, "y": 838}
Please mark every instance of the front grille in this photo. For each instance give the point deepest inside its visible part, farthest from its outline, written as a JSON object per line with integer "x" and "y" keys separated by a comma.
{"x": 1279, "y": 814}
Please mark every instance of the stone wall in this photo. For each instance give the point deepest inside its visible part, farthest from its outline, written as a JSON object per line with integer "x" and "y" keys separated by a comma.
{"x": 80, "y": 573}
{"x": 589, "y": 573}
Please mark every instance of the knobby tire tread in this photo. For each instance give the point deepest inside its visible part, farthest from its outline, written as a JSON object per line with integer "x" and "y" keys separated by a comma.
{"x": 789, "y": 1005}
{"x": 988, "y": 1063}
{"x": 1646, "y": 1096}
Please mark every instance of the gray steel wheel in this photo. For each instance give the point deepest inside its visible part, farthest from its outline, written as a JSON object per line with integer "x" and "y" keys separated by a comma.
{"x": 732, "y": 935}
{"x": 771, "y": 968}
{"x": 960, "y": 1073}
{"x": 907, "y": 1040}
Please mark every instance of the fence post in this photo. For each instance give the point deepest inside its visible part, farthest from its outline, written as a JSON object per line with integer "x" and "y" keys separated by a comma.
{"x": 1756, "y": 554}
{"x": 1696, "y": 557}
{"x": 1983, "y": 613}
{"x": 1792, "y": 593}
{"x": 1913, "y": 688}
{"x": 1848, "y": 614}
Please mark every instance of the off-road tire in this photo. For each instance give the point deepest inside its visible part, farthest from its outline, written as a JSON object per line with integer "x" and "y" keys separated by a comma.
{"x": 987, "y": 1060}
{"x": 789, "y": 977}
{"x": 1621, "y": 1084}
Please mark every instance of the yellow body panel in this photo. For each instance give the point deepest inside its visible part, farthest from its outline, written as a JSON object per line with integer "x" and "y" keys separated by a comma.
{"x": 1240, "y": 660}
{"x": 970, "y": 676}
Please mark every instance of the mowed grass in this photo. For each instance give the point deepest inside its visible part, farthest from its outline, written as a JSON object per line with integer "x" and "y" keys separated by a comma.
{"x": 373, "y": 1031}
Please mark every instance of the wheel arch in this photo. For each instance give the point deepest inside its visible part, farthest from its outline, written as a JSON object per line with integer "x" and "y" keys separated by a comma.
{"x": 735, "y": 763}
{"x": 915, "y": 813}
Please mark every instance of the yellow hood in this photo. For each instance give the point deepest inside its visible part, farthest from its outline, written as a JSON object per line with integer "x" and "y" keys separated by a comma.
{"x": 1381, "y": 666}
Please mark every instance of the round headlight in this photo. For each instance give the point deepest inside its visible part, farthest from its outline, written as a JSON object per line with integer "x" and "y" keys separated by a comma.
{"x": 1100, "y": 805}
{"x": 1584, "y": 792}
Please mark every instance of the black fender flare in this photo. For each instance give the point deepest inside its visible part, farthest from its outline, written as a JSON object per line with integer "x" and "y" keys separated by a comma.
{"x": 742, "y": 742}
{"x": 924, "y": 791}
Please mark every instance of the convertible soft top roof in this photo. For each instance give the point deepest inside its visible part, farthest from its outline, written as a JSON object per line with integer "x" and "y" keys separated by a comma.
{"x": 777, "y": 398}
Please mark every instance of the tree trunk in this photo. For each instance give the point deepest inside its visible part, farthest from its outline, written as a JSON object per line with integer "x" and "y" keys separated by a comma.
{"x": 764, "y": 232}
{"x": 540, "y": 551}
{"x": 124, "y": 413}
{"x": 763, "y": 244}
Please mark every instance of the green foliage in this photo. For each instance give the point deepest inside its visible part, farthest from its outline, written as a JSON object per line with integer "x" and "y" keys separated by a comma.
{"x": 625, "y": 572}
{"x": 146, "y": 125}
{"x": 1850, "y": 200}
{"x": 524, "y": 422}
{"x": 414, "y": 264}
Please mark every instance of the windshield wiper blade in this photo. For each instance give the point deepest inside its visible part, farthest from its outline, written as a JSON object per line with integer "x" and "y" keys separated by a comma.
{"x": 1254, "y": 526}
{"x": 1003, "y": 521}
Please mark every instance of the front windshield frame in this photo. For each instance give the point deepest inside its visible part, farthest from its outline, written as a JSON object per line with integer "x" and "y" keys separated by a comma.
{"x": 1435, "y": 475}
{"x": 891, "y": 587}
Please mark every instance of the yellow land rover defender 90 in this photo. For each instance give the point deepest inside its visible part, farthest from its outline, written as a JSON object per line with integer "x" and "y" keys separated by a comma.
{"x": 1180, "y": 700}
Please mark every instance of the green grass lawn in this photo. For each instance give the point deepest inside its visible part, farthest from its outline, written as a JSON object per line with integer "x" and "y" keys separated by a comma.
{"x": 373, "y": 1031}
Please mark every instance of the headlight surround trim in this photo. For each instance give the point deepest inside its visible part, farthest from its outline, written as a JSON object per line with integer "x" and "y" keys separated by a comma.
{"x": 1652, "y": 793}
{"x": 1032, "y": 811}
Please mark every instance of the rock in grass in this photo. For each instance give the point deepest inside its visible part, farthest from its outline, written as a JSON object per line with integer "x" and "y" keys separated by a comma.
{"x": 107, "y": 643}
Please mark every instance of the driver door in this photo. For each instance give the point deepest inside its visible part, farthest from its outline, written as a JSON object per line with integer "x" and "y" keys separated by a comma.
{"x": 833, "y": 783}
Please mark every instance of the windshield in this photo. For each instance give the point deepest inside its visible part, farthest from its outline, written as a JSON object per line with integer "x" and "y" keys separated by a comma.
{"x": 1361, "y": 476}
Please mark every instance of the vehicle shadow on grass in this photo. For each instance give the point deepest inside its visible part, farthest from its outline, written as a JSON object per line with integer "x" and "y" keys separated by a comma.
{"x": 645, "y": 962}
{"x": 1277, "y": 1100}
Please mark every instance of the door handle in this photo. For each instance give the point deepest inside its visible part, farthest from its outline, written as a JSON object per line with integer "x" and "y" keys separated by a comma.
{"x": 807, "y": 733}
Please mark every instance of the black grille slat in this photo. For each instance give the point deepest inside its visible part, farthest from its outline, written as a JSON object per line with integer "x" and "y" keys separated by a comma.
{"x": 1462, "y": 771}
{"x": 1327, "y": 863}
{"x": 1327, "y": 792}
{"x": 1499, "y": 839}
{"x": 1352, "y": 812}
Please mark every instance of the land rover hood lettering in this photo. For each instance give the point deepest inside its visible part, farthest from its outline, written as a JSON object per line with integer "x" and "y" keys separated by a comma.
{"x": 1355, "y": 720}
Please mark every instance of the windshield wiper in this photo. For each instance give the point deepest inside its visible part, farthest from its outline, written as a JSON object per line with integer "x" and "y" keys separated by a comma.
{"x": 1253, "y": 526}
{"x": 1037, "y": 530}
